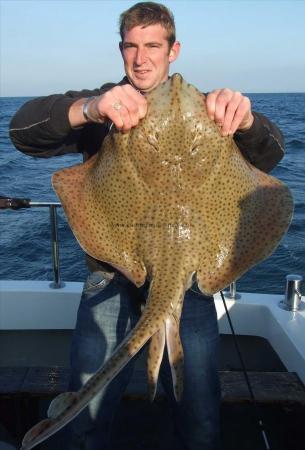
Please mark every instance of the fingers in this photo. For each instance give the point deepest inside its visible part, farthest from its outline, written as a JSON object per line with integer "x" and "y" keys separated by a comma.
{"x": 230, "y": 110}
{"x": 243, "y": 118}
{"x": 123, "y": 105}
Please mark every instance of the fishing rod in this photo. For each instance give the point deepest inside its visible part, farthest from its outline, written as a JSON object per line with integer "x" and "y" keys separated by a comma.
{"x": 19, "y": 203}
{"x": 253, "y": 399}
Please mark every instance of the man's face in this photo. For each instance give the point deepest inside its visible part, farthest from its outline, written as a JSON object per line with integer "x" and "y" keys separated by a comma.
{"x": 147, "y": 56}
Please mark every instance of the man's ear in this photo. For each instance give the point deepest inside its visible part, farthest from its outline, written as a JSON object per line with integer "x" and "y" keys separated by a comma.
{"x": 121, "y": 47}
{"x": 174, "y": 51}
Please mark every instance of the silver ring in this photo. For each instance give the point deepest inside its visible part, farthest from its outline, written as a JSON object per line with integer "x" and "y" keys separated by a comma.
{"x": 117, "y": 106}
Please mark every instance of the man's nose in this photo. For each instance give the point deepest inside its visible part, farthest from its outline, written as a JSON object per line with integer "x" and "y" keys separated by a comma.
{"x": 140, "y": 56}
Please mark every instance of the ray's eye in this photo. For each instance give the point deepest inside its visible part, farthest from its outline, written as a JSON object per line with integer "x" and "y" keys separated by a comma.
{"x": 194, "y": 150}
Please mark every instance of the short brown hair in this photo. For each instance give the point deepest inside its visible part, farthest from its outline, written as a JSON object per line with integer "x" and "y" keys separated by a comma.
{"x": 148, "y": 13}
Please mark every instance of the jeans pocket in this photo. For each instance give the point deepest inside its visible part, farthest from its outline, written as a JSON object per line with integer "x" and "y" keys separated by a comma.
{"x": 96, "y": 282}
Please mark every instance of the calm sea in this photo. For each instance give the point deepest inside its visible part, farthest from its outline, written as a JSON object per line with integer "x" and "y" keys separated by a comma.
{"x": 25, "y": 251}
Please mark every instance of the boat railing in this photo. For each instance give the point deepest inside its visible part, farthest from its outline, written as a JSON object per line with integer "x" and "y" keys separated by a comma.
{"x": 21, "y": 203}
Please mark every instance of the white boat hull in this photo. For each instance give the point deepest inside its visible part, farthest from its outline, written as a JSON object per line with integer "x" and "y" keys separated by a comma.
{"x": 34, "y": 305}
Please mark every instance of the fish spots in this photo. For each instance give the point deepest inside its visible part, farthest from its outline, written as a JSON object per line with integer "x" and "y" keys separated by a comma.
{"x": 168, "y": 199}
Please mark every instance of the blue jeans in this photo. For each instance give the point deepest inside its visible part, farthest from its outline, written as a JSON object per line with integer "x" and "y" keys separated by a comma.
{"x": 107, "y": 312}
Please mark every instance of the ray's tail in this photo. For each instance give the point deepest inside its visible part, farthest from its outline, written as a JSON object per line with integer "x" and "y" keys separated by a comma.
{"x": 163, "y": 300}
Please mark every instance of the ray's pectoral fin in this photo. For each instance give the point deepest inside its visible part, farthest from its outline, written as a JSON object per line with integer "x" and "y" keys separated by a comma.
{"x": 262, "y": 217}
{"x": 104, "y": 232}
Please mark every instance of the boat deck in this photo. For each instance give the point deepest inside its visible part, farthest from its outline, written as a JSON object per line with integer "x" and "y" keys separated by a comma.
{"x": 140, "y": 425}
{"x": 284, "y": 425}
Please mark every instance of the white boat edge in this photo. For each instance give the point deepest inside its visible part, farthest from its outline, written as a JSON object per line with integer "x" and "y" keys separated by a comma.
{"x": 34, "y": 305}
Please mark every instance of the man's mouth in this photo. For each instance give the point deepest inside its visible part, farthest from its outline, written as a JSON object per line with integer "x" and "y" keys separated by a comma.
{"x": 141, "y": 72}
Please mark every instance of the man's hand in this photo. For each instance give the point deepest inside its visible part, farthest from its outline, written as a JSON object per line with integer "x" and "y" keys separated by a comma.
{"x": 230, "y": 110}
{"x": 122, "y": 105}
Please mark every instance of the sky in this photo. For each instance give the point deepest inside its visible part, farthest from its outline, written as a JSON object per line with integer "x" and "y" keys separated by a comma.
{"x": 51, "y": 46}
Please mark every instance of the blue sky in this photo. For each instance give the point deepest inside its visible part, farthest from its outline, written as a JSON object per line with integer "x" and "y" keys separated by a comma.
{"x": 50, "y": 46}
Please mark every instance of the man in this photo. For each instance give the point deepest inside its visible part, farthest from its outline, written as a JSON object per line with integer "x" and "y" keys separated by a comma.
{"x": 110, "y": 304}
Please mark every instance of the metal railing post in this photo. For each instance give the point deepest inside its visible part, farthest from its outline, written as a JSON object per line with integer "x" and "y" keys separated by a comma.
{"x": 57, "y": 283}
{"x": 293, "y": 296}
{"x": 233, "y": 290}
{"x": 232, "y": 293}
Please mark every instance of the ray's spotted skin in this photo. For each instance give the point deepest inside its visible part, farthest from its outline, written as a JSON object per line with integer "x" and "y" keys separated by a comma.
{"x": 169, "y": 201}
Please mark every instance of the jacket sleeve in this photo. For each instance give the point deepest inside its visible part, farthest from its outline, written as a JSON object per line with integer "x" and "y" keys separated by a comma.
{"x": 41, "y": 126}
{"x": 262, "y": 145}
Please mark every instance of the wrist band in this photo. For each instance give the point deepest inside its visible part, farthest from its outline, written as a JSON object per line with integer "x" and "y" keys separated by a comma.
{"x": 86, "y": 110}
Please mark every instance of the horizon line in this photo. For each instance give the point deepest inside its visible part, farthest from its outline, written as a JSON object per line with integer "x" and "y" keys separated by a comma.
{"x": 245, "y": 93}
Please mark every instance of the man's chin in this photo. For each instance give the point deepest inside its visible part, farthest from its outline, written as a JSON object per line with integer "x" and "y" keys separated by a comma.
{"x": 143, "y": 86}
{"x": 143, "y": 83}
